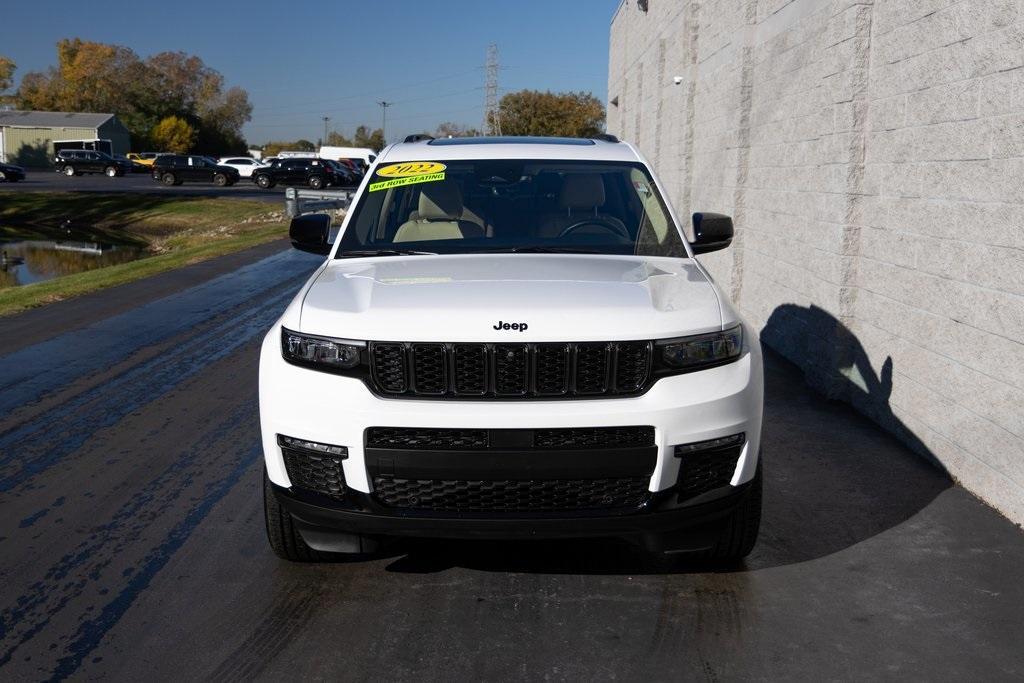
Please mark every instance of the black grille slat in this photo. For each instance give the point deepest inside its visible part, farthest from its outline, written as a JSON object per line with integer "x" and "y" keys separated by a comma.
{"x": 551, "y": 369}
{"x": 594, "y": 437}
{"x": 564, "y": 438}
{"x": 529, "y": 370}
{"x": 432, "y": 439}
{"x": 511, "y": 370}
{"x": 591, "y": 368}
{"x": 389, "y": 371}
{"x": 632, "y": 365}
{"x": 318, "y": 472}
{"x": 567, "y": 495}
{"x": 428, "y": 362}
{"x": 469, "y": 369}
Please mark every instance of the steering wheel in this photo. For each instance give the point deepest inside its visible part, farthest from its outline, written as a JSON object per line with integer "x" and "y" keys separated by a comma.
{"x": 619, "y": 230}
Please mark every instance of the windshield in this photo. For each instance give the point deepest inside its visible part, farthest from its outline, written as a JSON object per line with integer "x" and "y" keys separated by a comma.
{"x": 482, "y": 206}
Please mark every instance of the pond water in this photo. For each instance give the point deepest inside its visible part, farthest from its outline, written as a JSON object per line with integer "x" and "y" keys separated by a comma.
{"x": 41, "y": 254}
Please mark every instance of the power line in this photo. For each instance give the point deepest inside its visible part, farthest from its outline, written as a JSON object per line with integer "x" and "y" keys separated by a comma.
{"x": 492, "y": 119}
{"x": 375, "y": 92}
{"x": 365, "y": 106}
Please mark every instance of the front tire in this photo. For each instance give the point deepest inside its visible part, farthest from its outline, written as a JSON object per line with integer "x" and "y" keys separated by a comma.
{"x": 69, "y": 171}
{"x": 168, "y": 179}
{"x": 739, "y": 535}
{"x": 220, "y": 180}
{"x": 264, "y": 181}
{"x": 283, "y": 536}
{"x": 111, "y": 171}
{"x": 316, "y": 182}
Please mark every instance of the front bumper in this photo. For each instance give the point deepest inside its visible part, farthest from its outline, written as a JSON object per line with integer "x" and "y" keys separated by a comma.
{"x": 665, "y": 523}
{"x": 682, "y": 409}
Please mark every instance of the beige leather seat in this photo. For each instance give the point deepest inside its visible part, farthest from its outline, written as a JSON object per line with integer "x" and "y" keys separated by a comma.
{"x": 581, "y": 197}
{"x": 438, "y": 216}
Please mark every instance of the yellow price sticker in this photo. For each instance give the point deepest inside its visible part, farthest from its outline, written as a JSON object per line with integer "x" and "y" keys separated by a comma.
{"x": 410, "y": 169}
{"x": 398, "y": 182}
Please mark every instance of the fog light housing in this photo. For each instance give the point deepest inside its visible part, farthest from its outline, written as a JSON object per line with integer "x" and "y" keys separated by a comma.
{"x": 312, "y": 446}
{"x": 711, "y": 444}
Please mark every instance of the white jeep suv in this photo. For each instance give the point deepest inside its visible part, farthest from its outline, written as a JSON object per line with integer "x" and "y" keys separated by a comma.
{"x": 511, "y": 338}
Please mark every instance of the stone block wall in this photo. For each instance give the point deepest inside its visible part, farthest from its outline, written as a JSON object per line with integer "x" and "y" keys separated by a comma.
{"x": 872, "y": 155}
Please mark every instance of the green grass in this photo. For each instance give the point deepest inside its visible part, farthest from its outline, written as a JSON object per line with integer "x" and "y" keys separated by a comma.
{"x": 133, "y": 214}
{"x": 177, "y": 231}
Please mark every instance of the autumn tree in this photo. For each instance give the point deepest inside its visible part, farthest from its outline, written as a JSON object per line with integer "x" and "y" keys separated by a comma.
{"x": 364, "y": 137}
{"x": 275, "y": 147}
{"x": 568, "y": 114}
{"x": 173, "y": 134}
{"x": 92, "y": 76}
{"x": 7, "y": 67}
{"x": 455, "y": 130}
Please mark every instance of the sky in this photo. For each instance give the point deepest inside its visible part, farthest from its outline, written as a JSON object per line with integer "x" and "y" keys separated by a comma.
{"x": 301, "y": 61}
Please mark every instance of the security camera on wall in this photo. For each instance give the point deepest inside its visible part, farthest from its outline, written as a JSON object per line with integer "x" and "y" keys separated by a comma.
{"x": 677, "y": 79}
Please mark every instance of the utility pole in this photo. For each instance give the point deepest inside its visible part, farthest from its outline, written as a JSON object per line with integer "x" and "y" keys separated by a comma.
{"x": 327, "y": 120}
{"x": 384, "y": 119}
{"x": 492, "y": 115}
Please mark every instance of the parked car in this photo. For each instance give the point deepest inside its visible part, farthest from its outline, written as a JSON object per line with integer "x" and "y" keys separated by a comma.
{"x": 72, "y": 162}
{"x": 296, "y": 171}
{"x": 175, "y": 169}
{"x": 144, "y": 158}
{"x": 10, "y": 173}
{"x": 512, "y": 338}
{"x": 356, "y": 166}
{"x": 343, "y": 175}
{"x": 364, "y": 155}
{"x": 244, "y": 165}
{"x": 136, "y": 166}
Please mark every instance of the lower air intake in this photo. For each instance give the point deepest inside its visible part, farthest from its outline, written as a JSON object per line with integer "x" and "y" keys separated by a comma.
{"x": 555, "y": 495}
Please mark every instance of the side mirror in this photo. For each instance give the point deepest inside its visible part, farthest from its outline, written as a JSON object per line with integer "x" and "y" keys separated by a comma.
{"x": 311, "y": 233}
{"x": 711, "y": 231}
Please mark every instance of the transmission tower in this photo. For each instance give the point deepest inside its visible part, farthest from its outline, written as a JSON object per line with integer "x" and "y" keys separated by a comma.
{"x": 492, "y": 115}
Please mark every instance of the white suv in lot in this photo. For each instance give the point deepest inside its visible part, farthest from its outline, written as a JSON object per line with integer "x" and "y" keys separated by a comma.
{"x": 511, "y": 338}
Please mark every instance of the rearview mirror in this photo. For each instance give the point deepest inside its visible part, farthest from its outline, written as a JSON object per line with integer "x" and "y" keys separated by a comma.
{"x": 711, "y": 232}
{"x": 311, "y": 233}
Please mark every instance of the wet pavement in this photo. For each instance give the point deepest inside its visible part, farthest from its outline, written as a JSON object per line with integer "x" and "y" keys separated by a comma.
{"x": 132, "y": 542}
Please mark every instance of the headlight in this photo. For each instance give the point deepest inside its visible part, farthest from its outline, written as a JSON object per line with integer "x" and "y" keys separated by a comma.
{"x": 702, "y": 349}
{"x": 306, "y": 349}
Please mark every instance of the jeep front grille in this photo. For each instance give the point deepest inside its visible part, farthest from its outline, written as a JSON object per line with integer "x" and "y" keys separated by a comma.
{"x": 544, "y": 370}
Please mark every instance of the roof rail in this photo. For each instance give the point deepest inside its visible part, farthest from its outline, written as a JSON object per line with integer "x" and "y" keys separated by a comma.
{"x": 607, "y": 137}
{"x": 418, "y": 137}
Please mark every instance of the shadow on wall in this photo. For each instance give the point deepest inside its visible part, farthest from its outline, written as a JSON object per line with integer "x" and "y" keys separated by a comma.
{"x": 833, "y": 479}
{"x": 32, "y": 156}
{"x": 835, "y": 364}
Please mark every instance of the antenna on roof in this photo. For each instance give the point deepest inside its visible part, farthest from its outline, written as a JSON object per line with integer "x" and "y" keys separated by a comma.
{"x": 418, "y": 137}
{"x": 607, "y": 137}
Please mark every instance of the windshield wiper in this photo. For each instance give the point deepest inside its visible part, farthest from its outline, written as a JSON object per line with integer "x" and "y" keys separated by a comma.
{"x": 543, "y": 250}
{"x": 385, "y": 252}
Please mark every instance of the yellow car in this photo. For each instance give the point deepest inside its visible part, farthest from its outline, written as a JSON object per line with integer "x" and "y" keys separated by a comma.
{"x": 144, "y": 158}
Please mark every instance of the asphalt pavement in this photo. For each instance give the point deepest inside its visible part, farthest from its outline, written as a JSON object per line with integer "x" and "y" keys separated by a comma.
{"x": 136, "y": 183}
{"x": 132, "y": 541}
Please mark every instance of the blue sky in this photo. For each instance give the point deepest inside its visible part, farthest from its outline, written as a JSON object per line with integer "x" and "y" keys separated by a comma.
{"x": 301, "y": 61}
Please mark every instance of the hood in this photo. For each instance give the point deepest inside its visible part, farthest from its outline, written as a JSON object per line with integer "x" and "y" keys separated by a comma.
{"x": 465, "y": 297}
